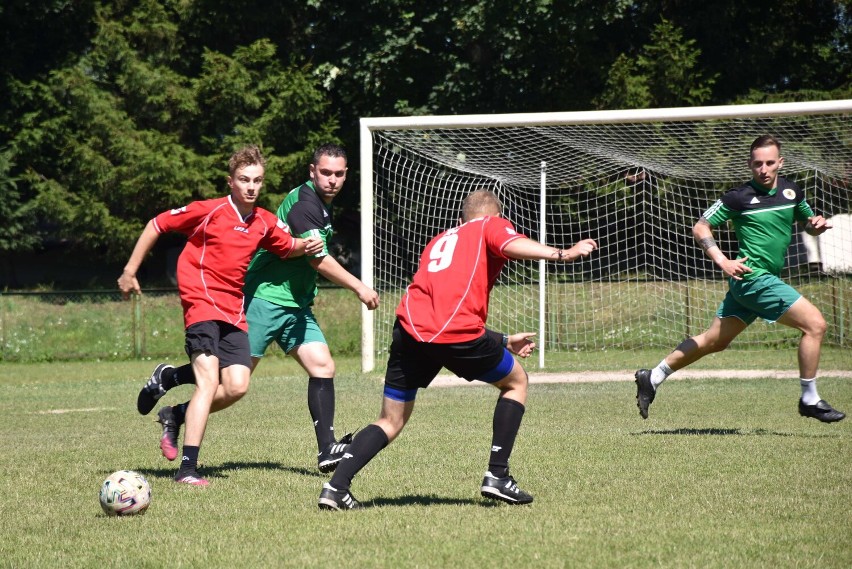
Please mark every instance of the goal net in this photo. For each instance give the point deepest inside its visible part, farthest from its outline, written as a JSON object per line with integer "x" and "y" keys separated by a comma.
{"x": 636, "y": 182}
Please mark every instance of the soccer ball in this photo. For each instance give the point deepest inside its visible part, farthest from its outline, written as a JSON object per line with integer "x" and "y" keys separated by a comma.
{"x": 124, "y": 493}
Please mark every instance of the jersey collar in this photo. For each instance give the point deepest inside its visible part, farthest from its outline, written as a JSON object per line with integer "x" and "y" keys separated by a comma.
{"x": 237, "y": 211}
{"x": 763, "y": 189}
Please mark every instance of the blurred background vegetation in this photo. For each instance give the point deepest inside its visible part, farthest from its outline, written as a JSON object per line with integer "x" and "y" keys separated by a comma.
{"x": 111, "y": 112}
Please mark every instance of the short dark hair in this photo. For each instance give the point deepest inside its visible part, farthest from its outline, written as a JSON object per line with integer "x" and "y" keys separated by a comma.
{"x": 246, "y": 156}
{"x": 331, "y": 150}
{"x": 764, "y": 141}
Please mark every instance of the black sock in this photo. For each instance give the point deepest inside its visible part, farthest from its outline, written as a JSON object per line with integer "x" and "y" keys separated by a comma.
{"x": 183, "y": 376}
{"x": 367, "y": 444}
{"x": 507, "y": 420}
{"x": 179, "y": 412}
{"x": 321, "y": 407}
{"x": 189, "y": 462}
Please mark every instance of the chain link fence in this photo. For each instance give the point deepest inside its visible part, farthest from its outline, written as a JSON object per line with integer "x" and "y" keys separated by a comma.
{"x": 100, "y": 325}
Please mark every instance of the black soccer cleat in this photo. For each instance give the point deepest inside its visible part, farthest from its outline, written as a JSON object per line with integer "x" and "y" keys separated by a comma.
{"x": 505, "y": 489}
{"x": 821, "y": 411}
{"x": 645, "y": 391}
{"x": 152, "y": 390}
{"x": 328, "y": 459}
{"x": 333, "y": 499}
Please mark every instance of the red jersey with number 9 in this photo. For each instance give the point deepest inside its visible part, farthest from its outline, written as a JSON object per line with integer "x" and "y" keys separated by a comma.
{"x": 447, "y": 301}
{"x": 212, "y": 267}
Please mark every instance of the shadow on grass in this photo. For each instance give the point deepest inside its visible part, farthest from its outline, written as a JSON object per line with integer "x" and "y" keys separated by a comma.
{"x": 714, "y": 431}
{"x": 418, "y": 500}
{"x": 221, "y": 471}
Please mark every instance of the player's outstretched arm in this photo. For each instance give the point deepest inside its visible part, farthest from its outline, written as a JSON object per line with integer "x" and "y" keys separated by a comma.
{"x": 703, "y": 234}
{"x": 127, "y": 282}
{"x": 526, "y": 248}
{"x": 328, "y": 267}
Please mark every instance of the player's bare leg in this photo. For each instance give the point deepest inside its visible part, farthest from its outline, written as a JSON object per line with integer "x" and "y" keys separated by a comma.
{"x": 206, "y": 370}
{"x": 233, "y": 387}
{"x": 394, "y": 416}
{"x": 804, "y": 316}
{"x": 367, "y": 444}
{"x": 716, "y": 338}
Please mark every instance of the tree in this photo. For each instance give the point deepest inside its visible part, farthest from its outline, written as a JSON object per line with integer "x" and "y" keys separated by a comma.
{"x": 771, "y": 46}
{"x": 110, "y": 111}
{"x": 131, "y": 127}
{"x": 664, "y": 74}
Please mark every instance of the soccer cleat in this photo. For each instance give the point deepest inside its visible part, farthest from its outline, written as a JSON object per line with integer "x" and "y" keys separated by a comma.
{"x": 152, "y": 390}
{"x": 645, "y": 391}
{"x": 191, "y": 479}
{"x": 328, "y": 459}
{"x": 332, "y": 499}
{"x": 171, "y": 428}
{"x": 505, "y": 489}
{"x": 821, "y": 411}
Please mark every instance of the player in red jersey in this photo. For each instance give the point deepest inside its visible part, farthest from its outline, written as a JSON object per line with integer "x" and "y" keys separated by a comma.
{"x": 222, "y": 235}
{"x": 441, "y": 323}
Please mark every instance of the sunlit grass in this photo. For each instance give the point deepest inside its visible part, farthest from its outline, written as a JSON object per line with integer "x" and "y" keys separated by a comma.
{"x": 723, "y": 474}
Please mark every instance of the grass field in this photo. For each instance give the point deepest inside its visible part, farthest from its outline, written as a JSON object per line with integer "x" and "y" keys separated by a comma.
{"x": 724, "y": 474}
{"x": 582, "y": 318}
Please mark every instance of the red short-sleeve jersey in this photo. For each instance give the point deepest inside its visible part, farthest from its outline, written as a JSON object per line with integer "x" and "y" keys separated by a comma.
{"x": 447, "y": 301}
{"x": 212, "y": 267}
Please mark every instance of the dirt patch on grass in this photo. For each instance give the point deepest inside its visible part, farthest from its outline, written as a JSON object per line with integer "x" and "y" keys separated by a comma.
{"x": 627, "y": 375}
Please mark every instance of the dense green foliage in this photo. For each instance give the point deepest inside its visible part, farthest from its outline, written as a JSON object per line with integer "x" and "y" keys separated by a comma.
{"x": 113, "y": 111}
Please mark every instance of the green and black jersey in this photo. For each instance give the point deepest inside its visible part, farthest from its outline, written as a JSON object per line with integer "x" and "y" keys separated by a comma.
{"x": 763, "y": 221}
{"x": 292, "y": 282}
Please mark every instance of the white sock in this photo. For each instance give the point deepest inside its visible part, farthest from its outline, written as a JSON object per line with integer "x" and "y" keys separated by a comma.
{"x": 809, "y": 391}
{"x": 660, "y": 373}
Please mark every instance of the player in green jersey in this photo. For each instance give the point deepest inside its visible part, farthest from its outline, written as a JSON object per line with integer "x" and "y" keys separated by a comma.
{"x": 279, "y": 296}
{"x": 762, "y": 212}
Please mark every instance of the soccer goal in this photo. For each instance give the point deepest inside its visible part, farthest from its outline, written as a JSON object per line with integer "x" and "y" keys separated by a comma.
{"x": 636, "y": 182}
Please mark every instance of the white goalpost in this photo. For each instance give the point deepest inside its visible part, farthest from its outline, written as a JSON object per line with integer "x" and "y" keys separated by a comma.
{"x": 633, "y": 180}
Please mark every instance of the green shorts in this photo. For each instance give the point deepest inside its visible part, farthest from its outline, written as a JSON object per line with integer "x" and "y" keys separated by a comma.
{"x": 766, "y": 296}
{"x": 289, "y": 326}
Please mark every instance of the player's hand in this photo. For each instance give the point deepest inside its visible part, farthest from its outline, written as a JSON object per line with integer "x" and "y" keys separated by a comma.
{"x": 313, "y": 245}
{"x": 817, "y": 225}
{"x": 582, "y": 248}
{"x": 369, "y": 297}
{"x": 127, "y": 283}
{"x": 735, "y": 268}
{"x": 521, "y": 345}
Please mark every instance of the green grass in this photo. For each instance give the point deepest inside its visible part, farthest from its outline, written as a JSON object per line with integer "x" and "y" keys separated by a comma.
{"x": 89, "y": 326}
{"x": 724, "y": 474}
{"x": 582, "y": 318}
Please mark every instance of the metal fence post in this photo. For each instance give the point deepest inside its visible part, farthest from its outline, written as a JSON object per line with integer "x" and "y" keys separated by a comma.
{"x": 137, "y": 325}
{"x": 2, "y": 328}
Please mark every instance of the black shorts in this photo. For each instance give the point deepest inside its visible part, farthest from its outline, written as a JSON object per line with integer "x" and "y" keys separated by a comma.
{"x": 220, "y": 339}
{"x": 413, "y": 364}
